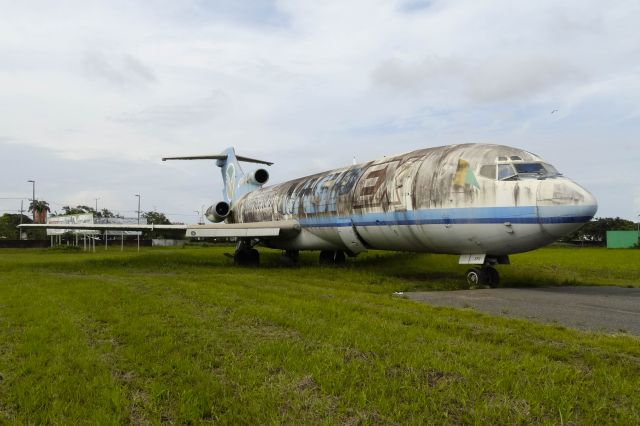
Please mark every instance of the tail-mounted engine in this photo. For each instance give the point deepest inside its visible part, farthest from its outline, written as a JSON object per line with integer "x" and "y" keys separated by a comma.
{"x": 258, "y": 177}
{"x": 218, "y": 212}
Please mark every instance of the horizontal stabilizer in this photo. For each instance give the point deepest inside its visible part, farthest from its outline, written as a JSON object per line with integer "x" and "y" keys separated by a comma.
{"x": 197, "y": 157}
{"x": 218, "y": 157}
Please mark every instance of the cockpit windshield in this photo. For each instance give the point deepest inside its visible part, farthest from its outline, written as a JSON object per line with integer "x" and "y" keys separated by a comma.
{"x": 535, "y": 170}
{"x": 518, "y": 170}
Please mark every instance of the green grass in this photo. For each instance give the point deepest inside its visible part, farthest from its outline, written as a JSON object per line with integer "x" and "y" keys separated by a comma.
{"x": 181, "y": 336}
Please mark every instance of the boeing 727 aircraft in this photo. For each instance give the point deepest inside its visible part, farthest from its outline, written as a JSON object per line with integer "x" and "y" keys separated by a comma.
{"x": 480, "y": 201}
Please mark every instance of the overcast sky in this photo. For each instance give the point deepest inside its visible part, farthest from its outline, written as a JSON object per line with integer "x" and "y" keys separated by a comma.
{"x": 94, "y": 93}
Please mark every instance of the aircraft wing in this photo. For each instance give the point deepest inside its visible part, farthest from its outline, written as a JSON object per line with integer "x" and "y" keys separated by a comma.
{"x": 284, "y": 228}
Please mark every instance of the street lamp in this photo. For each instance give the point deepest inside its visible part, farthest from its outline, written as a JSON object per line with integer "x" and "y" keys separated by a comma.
{"x": 138, "y": 232}
{"x": 138, "y": 195}
{"x": 97, "y": 198}
{"x": 33, "y": 199}
{"x": 198, "y": 213}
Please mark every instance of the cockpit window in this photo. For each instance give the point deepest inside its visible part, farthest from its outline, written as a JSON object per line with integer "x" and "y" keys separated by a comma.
{"x": 551, "y": 171}
{"x": 488, "y": 171}
{"x": 506, "y": 172}
{"x": 515, "y": 171}
{"x": 530, "y": 168}
{"x": 535, "y": 169}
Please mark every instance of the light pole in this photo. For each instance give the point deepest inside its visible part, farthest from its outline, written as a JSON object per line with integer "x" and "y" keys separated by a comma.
{"x": 138, "y": 195}
{"x": 198, "y": 213}
{"x": 97, "y": 198}
{"x": 33, "y": 199}
{"x": 138, "y": 232}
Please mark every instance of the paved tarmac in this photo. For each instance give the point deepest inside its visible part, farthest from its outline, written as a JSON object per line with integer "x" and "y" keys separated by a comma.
{"x": 602, "y": 309}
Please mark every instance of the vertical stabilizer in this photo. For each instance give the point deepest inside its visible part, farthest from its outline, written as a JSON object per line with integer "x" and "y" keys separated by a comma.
{"x": 232, "y": 173}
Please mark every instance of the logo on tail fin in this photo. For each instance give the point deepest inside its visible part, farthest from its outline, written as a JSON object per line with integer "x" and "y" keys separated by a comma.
{"x": 230, "y": 180}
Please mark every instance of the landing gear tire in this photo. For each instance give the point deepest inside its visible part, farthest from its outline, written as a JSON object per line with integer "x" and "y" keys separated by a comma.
{"x": 475, "y": 278}
{"x": 328, "y": 257}
{"x": 482, "y": 277}
{"x": 492, "y": 276}
{"x": 246, "y": 257}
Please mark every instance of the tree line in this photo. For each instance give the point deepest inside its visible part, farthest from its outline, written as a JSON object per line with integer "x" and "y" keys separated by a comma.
{"x": 595, "y": 231}
{"x": 9, "y": 222}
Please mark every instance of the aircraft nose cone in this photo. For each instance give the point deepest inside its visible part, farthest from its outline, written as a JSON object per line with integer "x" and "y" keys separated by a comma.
{"x": 590, "y": 204}
{"x": 564, "y": 206}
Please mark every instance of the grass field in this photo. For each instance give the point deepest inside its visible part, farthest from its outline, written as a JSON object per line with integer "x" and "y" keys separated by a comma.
{"x": 181, "y": 336}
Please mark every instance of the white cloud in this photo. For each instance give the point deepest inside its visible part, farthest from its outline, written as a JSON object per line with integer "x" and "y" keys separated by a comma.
{"x": 314, "y": 83}
{"x": 122, "y": 70}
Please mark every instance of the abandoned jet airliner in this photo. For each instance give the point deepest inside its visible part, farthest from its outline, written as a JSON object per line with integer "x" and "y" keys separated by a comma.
{"x": 480, "y": 201}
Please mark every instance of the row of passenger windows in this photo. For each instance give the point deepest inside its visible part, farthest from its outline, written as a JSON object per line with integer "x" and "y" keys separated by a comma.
{"x": 517, "y": 171}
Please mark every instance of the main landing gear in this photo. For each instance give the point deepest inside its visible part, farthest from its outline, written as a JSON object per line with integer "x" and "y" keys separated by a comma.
{"x": 484, "y": 276}
{"x": 246, "y": 255}
{"x": 328, "y": 257}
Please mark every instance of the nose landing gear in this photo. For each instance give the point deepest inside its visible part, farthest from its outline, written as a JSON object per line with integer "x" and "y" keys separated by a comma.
{"x": 484, "y": 276}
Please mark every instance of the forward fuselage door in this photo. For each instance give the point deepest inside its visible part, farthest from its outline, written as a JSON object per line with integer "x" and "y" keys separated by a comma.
{"x": 351, "y": 239}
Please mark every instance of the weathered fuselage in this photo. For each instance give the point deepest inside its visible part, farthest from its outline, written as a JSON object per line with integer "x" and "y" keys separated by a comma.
{"x": 441, "y": 199}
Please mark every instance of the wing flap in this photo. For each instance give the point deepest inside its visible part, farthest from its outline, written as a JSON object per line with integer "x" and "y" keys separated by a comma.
{"x": 101, "y": 226}
{"x": 235, "y": 232}
{"x": 284, "y": 228}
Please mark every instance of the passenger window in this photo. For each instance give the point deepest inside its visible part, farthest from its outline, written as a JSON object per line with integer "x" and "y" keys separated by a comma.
{"x": 488, "y": 171}
{"x": 505, "y": 171}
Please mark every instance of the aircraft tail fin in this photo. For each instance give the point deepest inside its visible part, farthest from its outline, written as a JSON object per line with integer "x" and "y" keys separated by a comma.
{"x": 236, "y": 182}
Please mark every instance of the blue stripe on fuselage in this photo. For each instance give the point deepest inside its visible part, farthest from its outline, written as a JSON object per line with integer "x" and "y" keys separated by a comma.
{"x": 471, "y": 215}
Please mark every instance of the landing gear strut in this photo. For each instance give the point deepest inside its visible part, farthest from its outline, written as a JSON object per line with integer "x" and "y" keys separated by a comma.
{"x": 328, "y": 257}
{"x": 480, "y": 277}
{"x": 246, "y": 255}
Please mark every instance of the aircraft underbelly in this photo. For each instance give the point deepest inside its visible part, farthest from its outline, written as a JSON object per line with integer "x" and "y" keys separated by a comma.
{"x": 471, "y": 230}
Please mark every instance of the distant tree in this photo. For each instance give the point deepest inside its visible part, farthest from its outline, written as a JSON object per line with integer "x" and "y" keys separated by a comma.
{"x": 77, "y": 210}
{"x": 105, "y": 213}
{"x": 156, "y": 218}
{"x": 81, "y": 209}
{"x": 40, "y": 209}
{"x": 596, "y": 230}
{"x": 9, "y": 225}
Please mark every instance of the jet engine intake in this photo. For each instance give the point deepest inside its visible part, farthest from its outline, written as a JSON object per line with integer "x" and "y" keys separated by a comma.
{"x": 218, "y": 212}
{"x": 259, "y": 177}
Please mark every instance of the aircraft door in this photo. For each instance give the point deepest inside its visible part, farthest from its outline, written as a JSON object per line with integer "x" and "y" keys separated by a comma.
{"x": 351, "y": 239}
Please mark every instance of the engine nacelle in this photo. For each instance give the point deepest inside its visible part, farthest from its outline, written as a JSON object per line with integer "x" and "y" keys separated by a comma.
{"x": 258, "y": 177}
{"x": 218, "y": 212}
